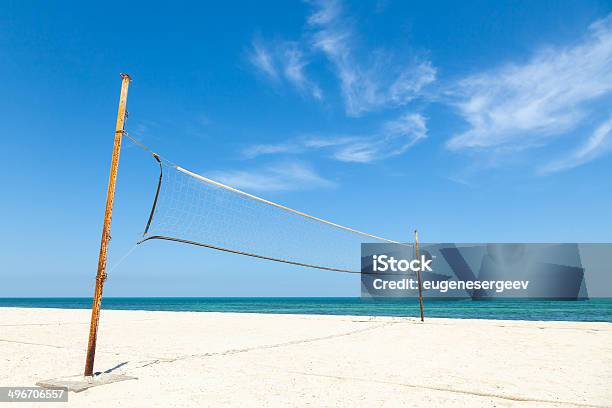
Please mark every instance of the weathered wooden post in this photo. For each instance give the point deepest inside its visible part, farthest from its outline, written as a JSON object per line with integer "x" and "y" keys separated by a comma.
{"x": 108, "y": 213}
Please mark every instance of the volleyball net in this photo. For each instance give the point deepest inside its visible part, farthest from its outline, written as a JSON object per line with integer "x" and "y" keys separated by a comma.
{"x": 192, "y": 209}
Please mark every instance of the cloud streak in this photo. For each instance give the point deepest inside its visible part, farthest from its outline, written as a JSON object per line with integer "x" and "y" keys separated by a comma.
{"x": 284, "y": 62}
{"x": 371, "y": 82}
{"x": 262, "y": 60}
{"x": 599, "y": 143}
{"x": 381, "y": 82}
{"x": 517, "y": 106}
{"x": 294, "y": 71}
{"x": 283, "y": 176}
{"x": 392, "y": 139}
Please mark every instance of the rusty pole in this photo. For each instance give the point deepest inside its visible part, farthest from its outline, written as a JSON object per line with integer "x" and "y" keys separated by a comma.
{"x": 108, "y": 214}
{"x": 416, "y": 248}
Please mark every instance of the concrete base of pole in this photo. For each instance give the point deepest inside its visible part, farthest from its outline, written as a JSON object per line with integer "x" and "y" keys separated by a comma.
{"x": 79, "y": 383}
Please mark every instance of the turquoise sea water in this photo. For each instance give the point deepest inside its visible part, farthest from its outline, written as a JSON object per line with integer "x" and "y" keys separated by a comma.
{"x": 519, "y": 309}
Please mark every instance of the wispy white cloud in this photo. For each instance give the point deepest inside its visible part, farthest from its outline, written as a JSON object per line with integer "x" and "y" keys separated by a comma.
{"x": 395, "y": 138}
{"x": 518, "y": 106}
{"x": 368, "y": 82}
{"x": 261, "y": 58}
{"x": 286, "y": 61}
{"x": 265, "y": 149}
{"x": 374, "y": 81}
{"x": 283, "y": 176}
{"x": 294, "y": 71}
{"x": 326, "y": 11}
{"x": 597, "y": 144}
{"x": 392, "y": 139}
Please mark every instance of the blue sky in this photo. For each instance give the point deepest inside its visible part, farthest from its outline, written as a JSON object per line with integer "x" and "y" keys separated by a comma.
{"x": 473, "y": 121}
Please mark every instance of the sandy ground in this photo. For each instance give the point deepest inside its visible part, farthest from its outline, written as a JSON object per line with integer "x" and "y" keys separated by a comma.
{"x": 185, "y": 359}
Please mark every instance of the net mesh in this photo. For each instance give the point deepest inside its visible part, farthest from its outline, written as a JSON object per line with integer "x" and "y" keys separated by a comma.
{"x": 191, "y": 210}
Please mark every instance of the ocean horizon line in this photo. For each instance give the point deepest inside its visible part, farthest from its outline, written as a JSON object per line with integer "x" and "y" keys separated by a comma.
{"x": 594, "y": 310}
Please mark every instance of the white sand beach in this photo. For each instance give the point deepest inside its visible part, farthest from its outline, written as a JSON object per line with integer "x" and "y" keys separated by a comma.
{"x": 191, "y": 359}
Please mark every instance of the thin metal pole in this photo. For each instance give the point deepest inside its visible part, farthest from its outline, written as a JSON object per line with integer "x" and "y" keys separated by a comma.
{"x": 416, "y": 248}
{"x": 108, "y": 213}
